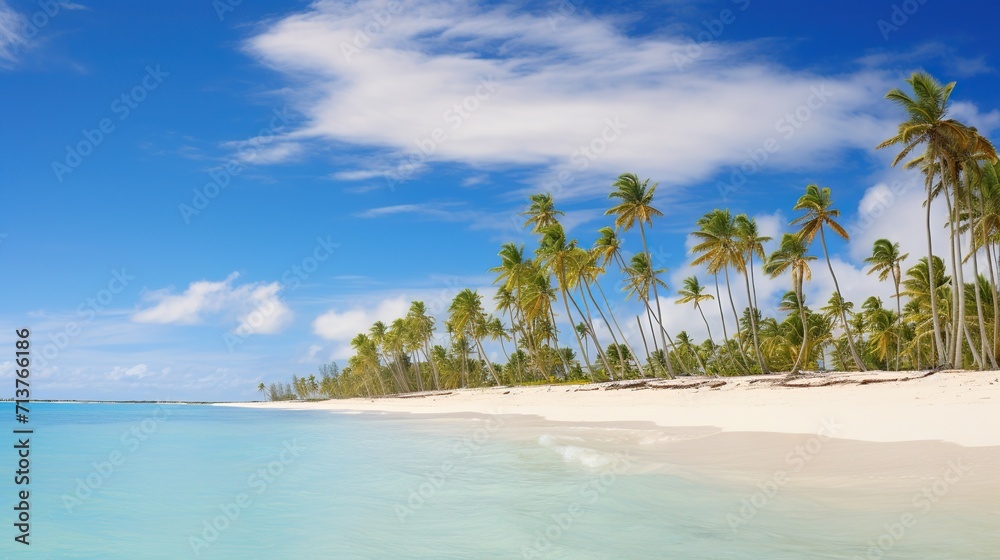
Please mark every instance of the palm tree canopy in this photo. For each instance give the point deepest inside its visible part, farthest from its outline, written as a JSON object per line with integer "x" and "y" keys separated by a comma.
{"x": 819, "y": 212}
{"x": 635, "y": 202}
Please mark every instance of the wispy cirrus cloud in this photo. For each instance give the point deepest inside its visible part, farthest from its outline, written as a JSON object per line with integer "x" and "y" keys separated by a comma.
{"x": 548, "y": 112}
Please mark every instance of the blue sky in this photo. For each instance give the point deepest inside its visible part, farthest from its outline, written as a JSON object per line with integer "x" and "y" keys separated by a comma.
{"x": 171, "y": 169}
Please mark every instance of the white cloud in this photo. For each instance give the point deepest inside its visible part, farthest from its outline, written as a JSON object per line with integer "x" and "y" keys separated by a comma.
{"x": 256, "y": 307}
{"x": 137, "y": 371}
{"x": 680, "y": 124}
{"x": 342, "y": 326}
{"x": 11, "y": 24}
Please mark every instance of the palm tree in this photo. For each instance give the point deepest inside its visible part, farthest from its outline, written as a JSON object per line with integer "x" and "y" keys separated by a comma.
{"x": 693, "y": 292}
{"x": 792, "y": 256}
{"x": 887, "y": 261}
{"x": 542, "y": 213}
{"x": 641, "y": 278}
{"x": 635, "y": 206}
{"x": 751, "y": 244}
{"x": 819, "y": 214}
{"x": 469, "y": 318}
{"x": 421, "y": 330}
{"x": 927, "y": 125}
{"x": 561, "y": 257}
{"x": 718, "y": 250}
{"x": 261, "y": 388}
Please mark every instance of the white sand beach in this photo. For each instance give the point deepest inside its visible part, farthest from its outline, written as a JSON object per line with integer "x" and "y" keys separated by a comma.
{"x": 958, "y": 407}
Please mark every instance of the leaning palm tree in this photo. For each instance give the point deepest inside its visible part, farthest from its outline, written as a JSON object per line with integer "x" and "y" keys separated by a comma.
{"x": 887, "y": 261}
{"x": 819, "y": 213}
{"x": 751, "y": 244}
{"x": 791, "y": 256}
{"x": 635, "y": 206}
{"x": 641, "y": 278}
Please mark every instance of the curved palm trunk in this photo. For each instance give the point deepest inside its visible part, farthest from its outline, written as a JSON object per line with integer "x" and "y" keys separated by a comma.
{"x": 597, "y": 342}
{"x": 604, "y": 318}
{"x": 649, "y": 359}
{"x": 656, "y": 295}
{"x": 483, "y": 357}
{"x": 986, "y": 350}
{"x": 722, "y": 316}
{"x": 805, "y": 328}
{"x": 996, "y": 300}
{"x": 899, "y": 321}
{"x": 843, "y": 314}
{"x": 958, "y": 285}
{"x": 736, "y": 317}
{"x": 569, "y": 317}
{"x": 434, "y": 368}
{"x": 753, "y": 326}
{"x": 715, "y": 349}
{"x": 555, "y": 334}
{"x": 936, "y": 320}
{"x": 590, "y": 329}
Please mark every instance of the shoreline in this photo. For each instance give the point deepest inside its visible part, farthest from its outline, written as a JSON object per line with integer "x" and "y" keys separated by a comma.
{"x": 953, "y": 406}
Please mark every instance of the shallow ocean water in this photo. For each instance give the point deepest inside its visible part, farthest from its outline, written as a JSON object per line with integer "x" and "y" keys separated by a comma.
{"x": 184, "y": 481}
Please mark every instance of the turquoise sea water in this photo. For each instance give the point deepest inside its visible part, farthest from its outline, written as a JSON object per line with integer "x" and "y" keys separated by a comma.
{"x": 173, "y": 482}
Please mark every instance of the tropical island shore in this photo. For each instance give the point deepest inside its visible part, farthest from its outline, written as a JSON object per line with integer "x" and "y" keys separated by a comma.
{"x": 958, "y": 407}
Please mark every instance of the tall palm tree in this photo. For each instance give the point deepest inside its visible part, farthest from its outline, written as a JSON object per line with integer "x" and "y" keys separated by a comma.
{"x": 261, "y": 388}
{"x": 819, "y": 213}
{"x": 469, "y": 318}
{"x": 886, "y": 261}
{"x": 561, "y": 257}
{"x": 421, "y": 329}
{"x": 792, "y": 256}
{"x": 717, "y": 250}
{"x": 635, "y": 206}
{"x": 750, "y": 243}
{"x": 927, "y": 125}
{"x": 693, "y": 292}
{"x": 642, "y": 277}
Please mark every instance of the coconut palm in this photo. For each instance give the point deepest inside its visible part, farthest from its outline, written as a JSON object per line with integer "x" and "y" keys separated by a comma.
{"x": 718, "y": 250}
{"x": 791, "y": 256}
{"x": 886, "y": 261}
{"x": 927, "y": 125}
{"x": 541, "y": 213}
{"x": 751, "y": 243}
{"x": 469, "y": 318}
{"x": 642, "y": 277}
{"x": 820, "y": 214}
{"x": 635, "y": 206}
{"x": 693, "y": 292}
